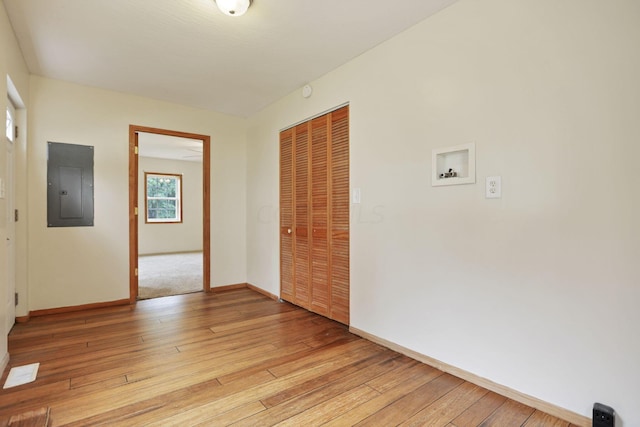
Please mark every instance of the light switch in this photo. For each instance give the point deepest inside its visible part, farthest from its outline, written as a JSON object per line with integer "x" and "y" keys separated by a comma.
{"x": 356, "y": 195}
{"x": 493, "y": 187}
{"x": 2, "y": 188}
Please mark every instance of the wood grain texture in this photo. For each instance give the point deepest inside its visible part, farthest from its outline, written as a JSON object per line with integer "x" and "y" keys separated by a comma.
{"x": 286, "y": 214}
{"x": 70, "y": 309}
{"x": 302, "y": 211}
{"x": 544, "y": 407}
{"x": 510, "y": 413}
{"x": 133, "y": 217}
{"x": 320, "y": 189}
{"x": 36, "y": 418}
{"x": 479, "y": 410}
{"x": 339, "y": 214}
{"x": 540, "y": 419}
{"x": 314, "y": 214}
{"x": 206, "y": 212}
{"x": 233, "y": 358}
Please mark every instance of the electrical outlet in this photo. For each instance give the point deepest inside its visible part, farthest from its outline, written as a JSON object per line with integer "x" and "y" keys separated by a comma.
{"x": 603, "y": 416}
{"x": 493, "y": 188}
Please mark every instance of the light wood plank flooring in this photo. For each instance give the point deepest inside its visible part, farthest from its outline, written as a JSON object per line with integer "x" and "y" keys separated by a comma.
{"x": 234, "y": 358}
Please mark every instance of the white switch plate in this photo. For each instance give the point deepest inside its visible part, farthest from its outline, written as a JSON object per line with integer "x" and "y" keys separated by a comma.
{"x": 2, "y": 189}
{"x": 494, "y": 187}
{"x": 356, "y": 195}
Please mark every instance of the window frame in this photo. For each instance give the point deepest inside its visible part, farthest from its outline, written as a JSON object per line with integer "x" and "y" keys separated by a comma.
{"x": 178, "y": 199}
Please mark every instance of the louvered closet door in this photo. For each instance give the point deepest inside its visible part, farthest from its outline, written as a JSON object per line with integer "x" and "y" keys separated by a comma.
{"x": 301, "y": 218}
{"x": 314, "y": 215}
{"x": 339, "y": 214}
{"x": 320, "y": 279}
{"x": 286, "y": 215}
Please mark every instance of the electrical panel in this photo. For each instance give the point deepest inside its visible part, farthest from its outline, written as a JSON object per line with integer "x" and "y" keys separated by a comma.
{"x": 69, "y": 185}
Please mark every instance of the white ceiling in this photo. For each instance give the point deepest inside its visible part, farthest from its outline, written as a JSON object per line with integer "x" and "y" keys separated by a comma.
{"x": 188, "y": 52}
{"x": 169, "y": 147}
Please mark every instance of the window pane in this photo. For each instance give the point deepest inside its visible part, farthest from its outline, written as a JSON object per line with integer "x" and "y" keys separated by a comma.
{"x": 9, "y": 125}
{"x": 162, "y": 209}
{"x": 163, "y": 197}
{"x": 161, "y": 186}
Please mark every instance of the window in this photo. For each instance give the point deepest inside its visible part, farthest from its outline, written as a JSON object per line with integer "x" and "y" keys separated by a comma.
{"x": 10, "y": 120}
{"x": 163, "y": 197}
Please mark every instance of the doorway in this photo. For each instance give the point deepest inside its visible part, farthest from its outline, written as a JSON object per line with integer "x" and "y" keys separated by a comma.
{"x": 157, "y": 210}
{"x": 7, "y": 192}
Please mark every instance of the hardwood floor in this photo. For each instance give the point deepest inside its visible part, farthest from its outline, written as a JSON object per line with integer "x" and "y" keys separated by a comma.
{"x": 234, "y": 358}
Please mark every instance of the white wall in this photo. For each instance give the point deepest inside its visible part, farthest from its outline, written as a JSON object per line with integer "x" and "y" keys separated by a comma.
{"x": 157, "y": 238}
{"x": 82, "y": 265}
{"x": 538, "y": 290}
{"x": 12, "y": 65}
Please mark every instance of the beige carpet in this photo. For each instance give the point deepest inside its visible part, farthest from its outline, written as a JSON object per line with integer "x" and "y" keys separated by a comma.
{"x": 169, "y": 274}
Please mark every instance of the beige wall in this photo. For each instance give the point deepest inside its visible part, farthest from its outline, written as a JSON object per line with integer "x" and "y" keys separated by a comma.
{"x": 166, "y": 238}
{"x": 82, "y": 265}
{"x": 537, "y": 290}
{"x": 12, "y": 65}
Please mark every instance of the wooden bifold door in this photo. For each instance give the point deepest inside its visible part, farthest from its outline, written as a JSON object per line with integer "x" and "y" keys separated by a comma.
{"x": 314, "y": 215}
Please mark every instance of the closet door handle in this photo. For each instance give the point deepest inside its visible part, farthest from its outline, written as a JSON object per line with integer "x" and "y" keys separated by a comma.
{"x": 288, "y": 231}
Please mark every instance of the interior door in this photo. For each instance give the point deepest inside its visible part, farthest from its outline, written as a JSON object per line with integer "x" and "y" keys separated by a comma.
{"x": 320, "y": 270}
{"x": 314, "y": 215}
{"x": 9, "y": 195}
{"x": 339, "y": 215}
{"x": 301, "y": 218}
{"x": 286, "y": 215}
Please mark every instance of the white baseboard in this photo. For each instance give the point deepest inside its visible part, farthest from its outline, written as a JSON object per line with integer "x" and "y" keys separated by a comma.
{"x": 556, "y": 411}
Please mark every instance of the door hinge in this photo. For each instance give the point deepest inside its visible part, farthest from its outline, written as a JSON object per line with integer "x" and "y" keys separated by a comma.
{"x": 135, "y": 272}
{"x": 135, "y": 210}
{"x": 135, "y": 149}
{"x": 15, "y": 216}
{"x": 16, "y": 296}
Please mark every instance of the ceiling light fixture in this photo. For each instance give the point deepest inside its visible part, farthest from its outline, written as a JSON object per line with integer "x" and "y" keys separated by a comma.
{"x": 233, "y": 7}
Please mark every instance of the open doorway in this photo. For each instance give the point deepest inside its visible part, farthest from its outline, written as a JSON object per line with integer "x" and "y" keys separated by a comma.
{"x": 168, "y": 227}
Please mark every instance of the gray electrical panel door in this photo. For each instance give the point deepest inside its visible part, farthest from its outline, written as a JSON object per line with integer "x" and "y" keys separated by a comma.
{"x": 69, "y": 185}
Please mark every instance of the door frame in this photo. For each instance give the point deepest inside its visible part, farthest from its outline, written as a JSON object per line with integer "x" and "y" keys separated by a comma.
{"x": 135, "y": 210}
